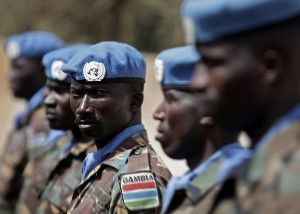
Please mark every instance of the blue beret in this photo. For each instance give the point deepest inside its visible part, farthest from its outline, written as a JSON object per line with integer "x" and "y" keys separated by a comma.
{"x": 207, "y": 20}
{"x": 31, "y": 44}
{"x": 54, "y": 60}
{"x": 107, "y": 62}
{"x": 174, "y": 67}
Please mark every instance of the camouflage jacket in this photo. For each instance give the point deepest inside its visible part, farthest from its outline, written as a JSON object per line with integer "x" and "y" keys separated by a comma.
{"x": 131, "y": 179}
{"x": 63, "y": 178}
{"x": 36, "y": 174}
{"x": 16, "y": 151}
{"x": 272, "y": 184}
{"x": 199, "y": 195}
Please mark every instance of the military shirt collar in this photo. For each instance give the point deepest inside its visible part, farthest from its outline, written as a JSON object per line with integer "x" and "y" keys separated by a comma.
{"x": 118, "y": 157}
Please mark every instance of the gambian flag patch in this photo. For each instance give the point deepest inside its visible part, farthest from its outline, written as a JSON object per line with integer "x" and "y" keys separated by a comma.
{"x": 139, "y": 191}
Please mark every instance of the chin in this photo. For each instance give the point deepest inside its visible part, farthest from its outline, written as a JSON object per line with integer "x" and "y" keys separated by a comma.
{"x": 58, "y": 126}
{"x": 177, "y": 155}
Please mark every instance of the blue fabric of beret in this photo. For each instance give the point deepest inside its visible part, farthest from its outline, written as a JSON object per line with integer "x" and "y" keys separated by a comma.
{"x": 208, "y": 20}
{"x": 31, "y": 44}
{"x": 107, "y": 62}
{"x": 54, "y": 60}
{"x": 174, "y": 67}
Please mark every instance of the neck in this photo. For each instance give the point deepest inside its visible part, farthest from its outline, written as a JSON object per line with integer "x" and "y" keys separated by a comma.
{"x": 266, "y": 121}
{"x": 215, "y": 140}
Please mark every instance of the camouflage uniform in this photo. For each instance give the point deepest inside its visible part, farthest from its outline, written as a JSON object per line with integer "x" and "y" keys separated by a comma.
{"x": 23, "y": 143}
{"x": 269, "y": 183}
{"x": 36, "y": 173}
{"x": 199, "y": 195}
{"x": 103, "y": 189}
{"x": 273, "y": 181}
{"x": 63, "y": 178}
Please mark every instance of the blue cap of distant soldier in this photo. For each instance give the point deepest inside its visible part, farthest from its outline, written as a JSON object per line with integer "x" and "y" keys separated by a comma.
{"x": 207, "y": 20}
{"x": 107, "y": 62}
{"x": 174, "y": 67}
{"x": 54, "y": 60}
{"x": 31, "y": 44}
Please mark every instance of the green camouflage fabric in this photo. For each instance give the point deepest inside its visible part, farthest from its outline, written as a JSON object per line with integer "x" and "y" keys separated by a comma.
{"x": 101, "y": 191}
{"x": 272, "y": 184}
{"x": 63, "y": 178}
{"x": 199, "y": 196}
{"x": 36, "y": 174}
{"x": 22, "y": 144}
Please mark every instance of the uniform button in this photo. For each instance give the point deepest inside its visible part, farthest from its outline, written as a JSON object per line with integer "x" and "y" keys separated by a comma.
{"x": 138, "y": 152}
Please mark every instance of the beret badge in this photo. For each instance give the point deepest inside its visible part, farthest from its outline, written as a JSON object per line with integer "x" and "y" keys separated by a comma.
{"x": 159, "y": 69}
{"x": 13, "y": 49}
{"x": 56, "y": 71}
{"x": 94, "y": 71}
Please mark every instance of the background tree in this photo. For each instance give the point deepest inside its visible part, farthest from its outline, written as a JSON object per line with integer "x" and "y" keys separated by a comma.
{"x": 149, "y": 25}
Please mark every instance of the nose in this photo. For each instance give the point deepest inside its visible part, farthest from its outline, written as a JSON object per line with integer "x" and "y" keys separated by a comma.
{"x": 200, "y": 78}
{"x": 84, "y": 107}
{"x": 11, "y": 75}
{"x": 49, "y": 99}
{"x": 159, "y": 113}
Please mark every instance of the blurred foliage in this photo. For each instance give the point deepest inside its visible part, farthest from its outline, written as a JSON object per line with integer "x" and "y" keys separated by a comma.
{"x": 149, "y": 25}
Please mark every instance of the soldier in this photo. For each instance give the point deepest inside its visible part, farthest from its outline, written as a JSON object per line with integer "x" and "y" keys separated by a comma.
{"x": 28, "y": 137}
{"x": 125, "y": 175}
{"x": 250, "y": 69}
{"x": 63, "y": 158}
{"x": 211, "y": 153}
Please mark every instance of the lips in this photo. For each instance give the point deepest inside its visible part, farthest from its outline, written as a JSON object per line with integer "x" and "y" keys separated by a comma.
{"x": 160, "y": 135}
{"x": 86, "y": 123}
{"x": 50, "y": 115}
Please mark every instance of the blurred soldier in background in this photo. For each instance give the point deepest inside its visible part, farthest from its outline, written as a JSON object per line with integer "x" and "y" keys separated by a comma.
{"x": 125, "y": 175}
{"x": 186, "y": 131}
{"x": 47, "y": 177}
{"x": 26, "y": 79}
{"x": 250, "y": 73}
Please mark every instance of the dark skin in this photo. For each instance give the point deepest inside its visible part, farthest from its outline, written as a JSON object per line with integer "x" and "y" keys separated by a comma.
{"x": 252, "y": 79}
{"x": 185, "y": 130}
{"x": 58, "y": 109}
{"x": 26, "y": 76}
{"x": 104, "y": 110}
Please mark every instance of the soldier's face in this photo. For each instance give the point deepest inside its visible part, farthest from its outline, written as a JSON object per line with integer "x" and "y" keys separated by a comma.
{"x": 102, "y": 110}
{"x": 23, "y": 72}
{"x": 57, "y": 105}
{"x": 229, "y": 75}
{"x": 179, "y": 130}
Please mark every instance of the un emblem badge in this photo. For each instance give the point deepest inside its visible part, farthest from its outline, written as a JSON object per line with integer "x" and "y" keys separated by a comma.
{"x": 159, "y": 69}
{"x": 56, "y": 71}
{"x": 94, "y": 71}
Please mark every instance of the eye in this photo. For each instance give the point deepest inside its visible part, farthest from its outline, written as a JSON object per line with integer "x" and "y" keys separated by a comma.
{"x": 170, "y": 97}
{"x": 76, "y": 93}
{"x": 99, "y": 92}
{"x": 211, "y": 62}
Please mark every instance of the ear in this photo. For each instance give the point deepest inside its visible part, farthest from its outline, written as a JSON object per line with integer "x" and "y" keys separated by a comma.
{"x": 273, "y": 67}
{"x": 136, "y": 101}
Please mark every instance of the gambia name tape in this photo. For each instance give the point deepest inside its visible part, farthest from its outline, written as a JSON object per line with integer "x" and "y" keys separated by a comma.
{"x": 139, "y": 191}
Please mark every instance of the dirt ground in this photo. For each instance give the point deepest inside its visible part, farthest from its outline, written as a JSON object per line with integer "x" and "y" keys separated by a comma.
{"x": 10, "y": 106}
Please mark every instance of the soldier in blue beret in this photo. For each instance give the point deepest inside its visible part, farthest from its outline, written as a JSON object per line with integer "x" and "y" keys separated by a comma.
{"x": 30, "y": 131}
{"x": 124, "y": 175}
{"x": 206, "y": 147}
{"x": 45, "y": 189}
{"x": 250, "y": 67}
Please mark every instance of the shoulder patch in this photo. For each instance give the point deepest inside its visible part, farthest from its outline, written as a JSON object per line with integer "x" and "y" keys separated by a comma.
{"x": 139, "y": 190}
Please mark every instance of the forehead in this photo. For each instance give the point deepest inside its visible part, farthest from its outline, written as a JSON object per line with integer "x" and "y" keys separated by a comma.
{"x": 93, "y": 86}
{"x": 56, "y": 84}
